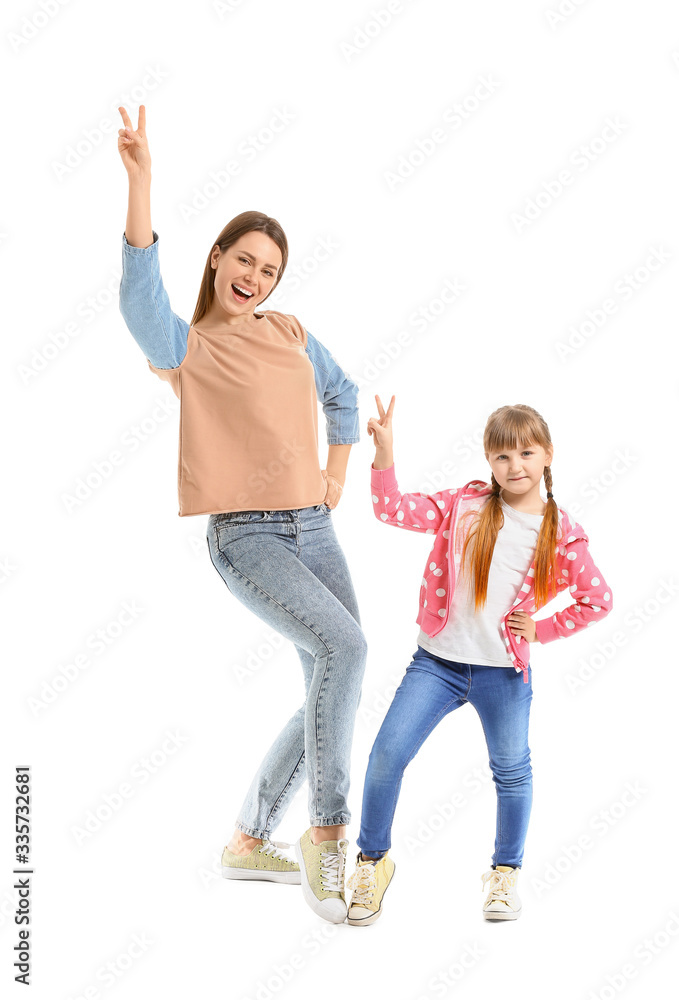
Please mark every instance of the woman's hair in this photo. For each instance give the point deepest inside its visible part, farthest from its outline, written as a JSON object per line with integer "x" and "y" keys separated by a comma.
{"x": 246, "y": 222}
{"x": 513, "y": 427}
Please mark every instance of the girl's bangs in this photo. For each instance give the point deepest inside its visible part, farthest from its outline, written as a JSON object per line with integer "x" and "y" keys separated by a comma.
{"x": 514, "y": 430}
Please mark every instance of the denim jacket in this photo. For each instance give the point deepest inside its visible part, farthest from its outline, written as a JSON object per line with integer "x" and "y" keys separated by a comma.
{"x": 162, "y": 336}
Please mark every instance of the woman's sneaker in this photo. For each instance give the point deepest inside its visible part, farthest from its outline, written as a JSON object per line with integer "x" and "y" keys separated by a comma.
{"x": 322, "y": 870}
{"x": 369, "y": 883}
{"x": 266, "y": 862}
{"x": 503, "y": 901}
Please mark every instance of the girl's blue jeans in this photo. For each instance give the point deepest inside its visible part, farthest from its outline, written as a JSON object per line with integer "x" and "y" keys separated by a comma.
{"x": 431, "y": 688}
{"x": 287, "y": 567}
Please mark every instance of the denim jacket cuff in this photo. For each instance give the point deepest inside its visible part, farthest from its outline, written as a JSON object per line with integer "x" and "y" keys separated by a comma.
{"x": 153, "y": 248}
{"x": 343, "y": 440}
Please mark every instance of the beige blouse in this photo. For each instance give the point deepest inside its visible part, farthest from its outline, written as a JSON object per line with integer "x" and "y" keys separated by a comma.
{"x": 248, "y": 425}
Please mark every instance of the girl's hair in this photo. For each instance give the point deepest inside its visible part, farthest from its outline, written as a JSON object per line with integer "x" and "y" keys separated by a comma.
{"x": 246, "y": 222}
{"x": 513, "y": 427}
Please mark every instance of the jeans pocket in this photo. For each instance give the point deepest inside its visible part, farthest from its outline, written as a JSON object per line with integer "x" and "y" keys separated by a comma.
{"x": 325, "y": 509}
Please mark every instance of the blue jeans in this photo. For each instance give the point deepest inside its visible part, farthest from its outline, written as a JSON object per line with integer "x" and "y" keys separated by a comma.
{"x": 287, "y": 567}
{"x": 431, "y": 688}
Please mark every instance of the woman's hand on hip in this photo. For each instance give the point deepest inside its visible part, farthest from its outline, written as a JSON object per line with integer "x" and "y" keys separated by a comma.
{"x": 333, "y": 489}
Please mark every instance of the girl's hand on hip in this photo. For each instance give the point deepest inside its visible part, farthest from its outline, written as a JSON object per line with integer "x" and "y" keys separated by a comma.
{"x": 133, "y": 146}
{"x": 380, "y": 430}
{"x": 521, "y": 623}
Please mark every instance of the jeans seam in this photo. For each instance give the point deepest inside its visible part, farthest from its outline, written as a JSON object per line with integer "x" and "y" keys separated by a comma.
{"x": 499, "y": 830}
{"x": 497, "y": 797}
{"x": 317, "y": 730}
{"x": 435, "y": 722}
{"x": 274, "y": 807}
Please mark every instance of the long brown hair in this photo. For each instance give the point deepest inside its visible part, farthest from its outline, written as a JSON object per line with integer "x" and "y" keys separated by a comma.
{"x": 512, "y": 427}
{"x": 246, "y": 222}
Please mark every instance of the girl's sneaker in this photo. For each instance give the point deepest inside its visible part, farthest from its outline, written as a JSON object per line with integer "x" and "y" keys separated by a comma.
{"x": 503, "y": 901}
{"x": 266, "y": 862}
{"x": 322, "y": 870}
{"x": 369, "y": 882}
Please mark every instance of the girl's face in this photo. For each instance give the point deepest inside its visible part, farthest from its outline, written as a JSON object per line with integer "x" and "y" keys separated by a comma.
{"x": 245, "y": 274}
{"x": 519, "y": 470}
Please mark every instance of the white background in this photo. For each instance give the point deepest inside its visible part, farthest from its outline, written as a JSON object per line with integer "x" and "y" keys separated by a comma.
{"x": 360, "y": 97}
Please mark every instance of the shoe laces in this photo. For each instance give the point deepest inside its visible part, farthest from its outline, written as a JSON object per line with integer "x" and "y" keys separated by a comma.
{"x": 501, "y": 884}
{"x": 363, "y": 882}
{"x": 274, "y": 849}
{"x": 332, "y": 868}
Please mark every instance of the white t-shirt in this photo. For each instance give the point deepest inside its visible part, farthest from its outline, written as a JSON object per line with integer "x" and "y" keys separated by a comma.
{"x": 470, "y": 638}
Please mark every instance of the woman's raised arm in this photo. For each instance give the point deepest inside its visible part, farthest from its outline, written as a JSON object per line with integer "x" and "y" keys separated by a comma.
{"x": 144, "y": 303}
{"x": 134, "y": 152}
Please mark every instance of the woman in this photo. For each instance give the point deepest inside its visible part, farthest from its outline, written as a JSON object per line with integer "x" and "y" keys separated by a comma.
{"x": 248, "y": 457}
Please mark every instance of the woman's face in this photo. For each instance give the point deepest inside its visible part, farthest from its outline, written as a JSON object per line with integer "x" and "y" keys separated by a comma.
{"x": 245, "y": 274}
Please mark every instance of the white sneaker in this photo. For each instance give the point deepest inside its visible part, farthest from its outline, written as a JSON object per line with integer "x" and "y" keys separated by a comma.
{"x": 503, "y": 901}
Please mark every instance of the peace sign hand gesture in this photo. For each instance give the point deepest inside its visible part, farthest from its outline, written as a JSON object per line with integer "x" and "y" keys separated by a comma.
{"x": 381, "y": 429}
{"x": 133, "y": 146}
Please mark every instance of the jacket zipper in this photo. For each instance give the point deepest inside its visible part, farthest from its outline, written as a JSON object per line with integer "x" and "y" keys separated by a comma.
{"x": 524, "y": 666}
{"x": 451, "y": 573}
{"x": 451, "y": 554}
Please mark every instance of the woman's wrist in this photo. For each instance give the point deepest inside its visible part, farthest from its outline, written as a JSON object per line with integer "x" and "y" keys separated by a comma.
{"x": 339, "y": 482}
{"x": 139, "y": 180}
{"x": 138, "y": 226}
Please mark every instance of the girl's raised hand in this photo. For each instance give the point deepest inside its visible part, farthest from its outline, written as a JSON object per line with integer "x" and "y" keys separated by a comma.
{"x": 381, "y": 429}
{"x": 133, "y": 146}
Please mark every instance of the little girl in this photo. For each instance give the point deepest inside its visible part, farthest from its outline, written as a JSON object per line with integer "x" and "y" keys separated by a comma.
{"x": 499, "y": 552}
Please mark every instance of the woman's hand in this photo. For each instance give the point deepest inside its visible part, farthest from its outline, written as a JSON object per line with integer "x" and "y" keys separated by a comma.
{"x": 380, "y": 430}
{"x": 333, "y": 491}
{"x": 133, "y": 146}
{"x": 522, "y": 624}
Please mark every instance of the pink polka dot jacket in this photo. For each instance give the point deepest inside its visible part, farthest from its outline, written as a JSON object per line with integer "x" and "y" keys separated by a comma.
{"x": 439, "y": 514}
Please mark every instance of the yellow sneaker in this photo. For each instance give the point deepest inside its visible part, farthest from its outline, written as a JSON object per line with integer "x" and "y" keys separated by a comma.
{"x": 502, "y": 902}
{"x": 369, "y": 883}
{"x": 266, "y": 862}
{"x": 321, "y": 868}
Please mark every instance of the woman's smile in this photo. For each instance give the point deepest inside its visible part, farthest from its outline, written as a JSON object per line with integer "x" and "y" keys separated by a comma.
{"x": 240, "y": 293}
